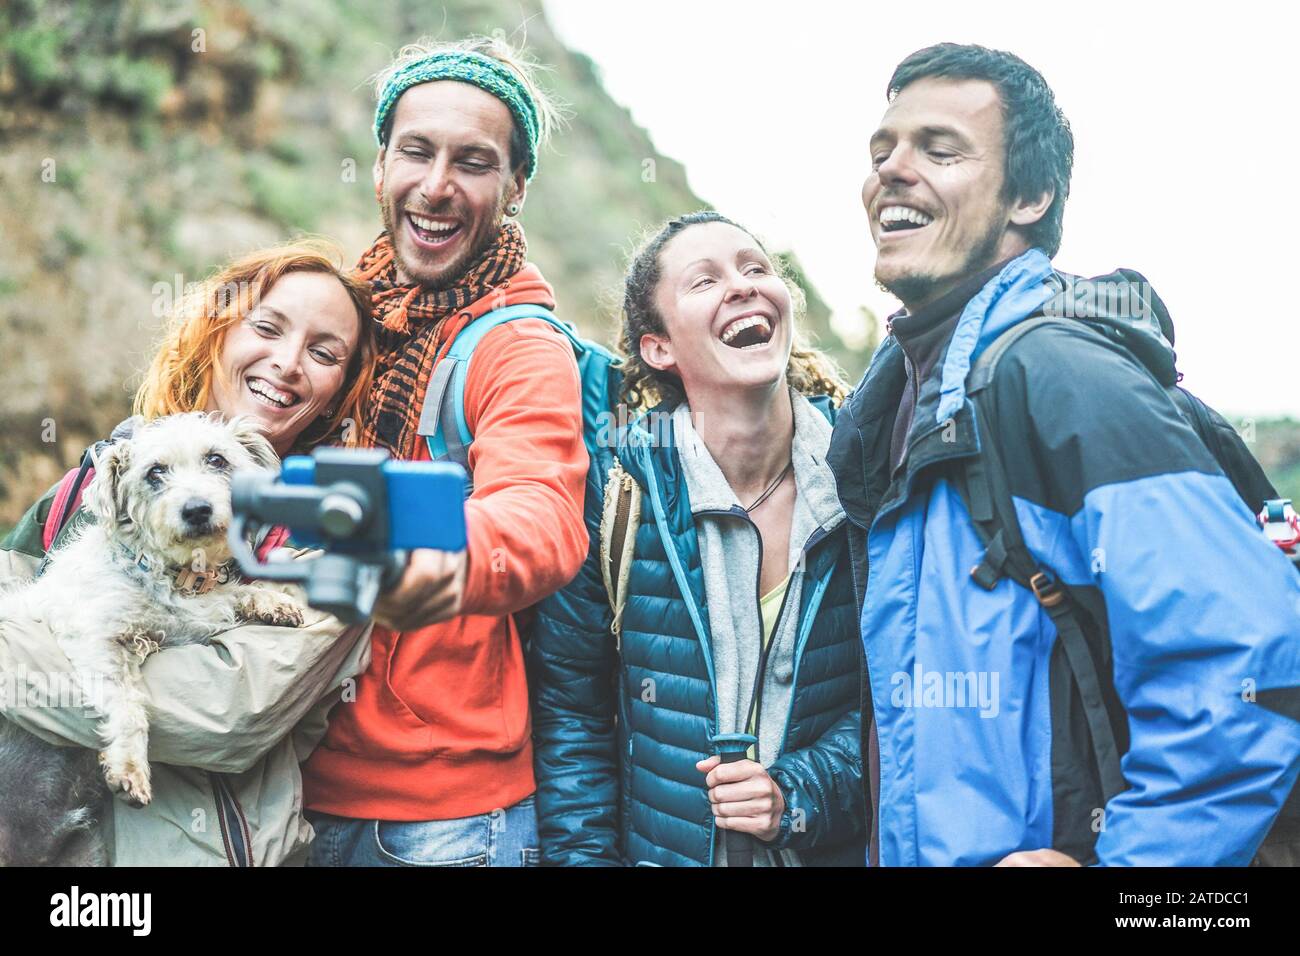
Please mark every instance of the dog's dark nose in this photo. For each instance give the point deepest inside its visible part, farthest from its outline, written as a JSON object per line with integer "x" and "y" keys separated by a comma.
{"x": 196, "y": 512}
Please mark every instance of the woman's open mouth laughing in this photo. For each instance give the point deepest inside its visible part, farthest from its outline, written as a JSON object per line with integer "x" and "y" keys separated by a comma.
{"x": 264, "y": 393}
{"x": 748, "y": 332}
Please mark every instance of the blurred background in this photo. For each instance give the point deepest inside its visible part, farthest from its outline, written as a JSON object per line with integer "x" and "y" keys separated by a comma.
{"x": 144, "y": 143}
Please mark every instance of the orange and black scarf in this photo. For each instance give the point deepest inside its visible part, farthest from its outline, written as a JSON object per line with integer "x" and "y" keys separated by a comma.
{"x": 410, "y": 335}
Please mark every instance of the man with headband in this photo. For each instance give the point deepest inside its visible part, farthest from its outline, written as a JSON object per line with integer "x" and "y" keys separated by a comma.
{"x": 431, "y": 762}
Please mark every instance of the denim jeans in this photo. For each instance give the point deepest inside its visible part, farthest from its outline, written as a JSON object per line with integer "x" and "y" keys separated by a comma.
{"x": 501, "y": 838}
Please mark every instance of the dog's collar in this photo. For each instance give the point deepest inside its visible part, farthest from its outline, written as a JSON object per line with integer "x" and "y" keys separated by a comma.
{"x": 184, "y": 578}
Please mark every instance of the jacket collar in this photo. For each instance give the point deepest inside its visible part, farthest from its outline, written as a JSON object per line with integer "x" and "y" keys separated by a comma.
{"x": 650, "y": 443}
{"x": 813, "y": 477}
{"x": 942, "y": 426}
{"x": 1015, "y": 293}
{"x": 647, "y": 450}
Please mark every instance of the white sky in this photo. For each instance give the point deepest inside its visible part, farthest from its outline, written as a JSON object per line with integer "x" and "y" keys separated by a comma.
{"x": 1185, "y": 160}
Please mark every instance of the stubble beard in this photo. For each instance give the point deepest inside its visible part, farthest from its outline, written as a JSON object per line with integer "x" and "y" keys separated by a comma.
{"x": 449, "y": 274}
{"x": 919, "y": 288}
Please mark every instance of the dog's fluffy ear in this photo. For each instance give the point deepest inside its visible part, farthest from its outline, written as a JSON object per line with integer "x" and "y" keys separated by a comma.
{"x": 106, "y": 496}
{"x": 245, "y": 430}
{"x": 127, "y": 428}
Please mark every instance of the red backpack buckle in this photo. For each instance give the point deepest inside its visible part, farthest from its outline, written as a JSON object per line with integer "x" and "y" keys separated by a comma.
{"x": 1281, "y": 524}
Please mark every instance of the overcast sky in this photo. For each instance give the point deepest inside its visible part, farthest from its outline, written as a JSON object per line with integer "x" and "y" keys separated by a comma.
{"x": 1186, "y": 144}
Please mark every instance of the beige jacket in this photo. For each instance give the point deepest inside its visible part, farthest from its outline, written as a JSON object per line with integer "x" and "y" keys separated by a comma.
{"x": 230, "y": 721}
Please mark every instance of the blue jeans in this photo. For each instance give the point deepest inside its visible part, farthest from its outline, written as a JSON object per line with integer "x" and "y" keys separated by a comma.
{"x": 501, "y": 838}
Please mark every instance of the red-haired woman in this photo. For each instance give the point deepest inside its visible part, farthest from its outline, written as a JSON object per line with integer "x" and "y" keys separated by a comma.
{"x": 282, "y": 335}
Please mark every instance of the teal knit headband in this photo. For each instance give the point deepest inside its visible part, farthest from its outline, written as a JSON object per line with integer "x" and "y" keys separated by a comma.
{"x": 482, "y": 71}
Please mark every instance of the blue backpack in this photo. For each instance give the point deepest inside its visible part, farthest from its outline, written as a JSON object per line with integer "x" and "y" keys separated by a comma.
{"x": 442, "y": 419}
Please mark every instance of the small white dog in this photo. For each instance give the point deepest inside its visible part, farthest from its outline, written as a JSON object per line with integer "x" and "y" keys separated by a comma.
{"x": 154, "y": 570}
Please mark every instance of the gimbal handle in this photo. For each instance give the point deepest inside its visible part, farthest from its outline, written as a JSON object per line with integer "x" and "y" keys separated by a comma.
{"x": 346, "y": 586}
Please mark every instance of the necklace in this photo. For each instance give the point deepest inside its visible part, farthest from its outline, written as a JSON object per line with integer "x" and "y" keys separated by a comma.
{"x": 772, "y": 487}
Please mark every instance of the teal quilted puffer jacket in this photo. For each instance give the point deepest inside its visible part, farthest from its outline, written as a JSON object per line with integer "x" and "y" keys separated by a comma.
{"x": 616, "y": 776}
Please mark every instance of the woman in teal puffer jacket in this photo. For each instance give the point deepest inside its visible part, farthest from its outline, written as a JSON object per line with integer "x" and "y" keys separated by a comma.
{"x": 737, "y": 614}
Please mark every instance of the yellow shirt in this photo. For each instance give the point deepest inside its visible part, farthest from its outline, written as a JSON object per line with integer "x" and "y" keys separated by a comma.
{"x": 770, "y": 606}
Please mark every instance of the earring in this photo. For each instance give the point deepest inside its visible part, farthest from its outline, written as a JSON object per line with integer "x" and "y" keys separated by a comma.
{"x": 513, "y": 209}
{"x": 329, "y": 412}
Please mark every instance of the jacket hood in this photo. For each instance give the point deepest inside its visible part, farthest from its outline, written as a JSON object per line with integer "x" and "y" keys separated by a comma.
{"x": 1125, "y": 308}
{"x": 812, "y": 475}
{"x": 1121, "y": 305}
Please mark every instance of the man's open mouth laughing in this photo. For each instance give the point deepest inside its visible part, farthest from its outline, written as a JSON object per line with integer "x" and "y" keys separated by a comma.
{"x": 432, "y": 233}
{"x": 897, "y": 220}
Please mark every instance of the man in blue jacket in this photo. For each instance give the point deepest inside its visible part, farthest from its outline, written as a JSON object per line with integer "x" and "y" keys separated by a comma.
{"x": 979, "y": 753}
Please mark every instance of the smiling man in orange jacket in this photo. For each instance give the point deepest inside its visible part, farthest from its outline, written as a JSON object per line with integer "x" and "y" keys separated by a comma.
{"x": 431, "y": 764}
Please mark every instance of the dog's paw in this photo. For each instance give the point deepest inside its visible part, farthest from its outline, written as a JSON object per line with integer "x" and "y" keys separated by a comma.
{"x": 127, "y": 778}
{"x": 270, "y": 607}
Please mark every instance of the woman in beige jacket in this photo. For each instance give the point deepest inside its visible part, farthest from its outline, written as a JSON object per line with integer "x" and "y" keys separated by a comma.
{"x": 284, "y": 336}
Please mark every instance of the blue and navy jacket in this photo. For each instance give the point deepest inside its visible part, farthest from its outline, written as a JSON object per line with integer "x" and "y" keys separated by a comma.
{"x": 616, "y": 777}
{"x": 977, "y": 739}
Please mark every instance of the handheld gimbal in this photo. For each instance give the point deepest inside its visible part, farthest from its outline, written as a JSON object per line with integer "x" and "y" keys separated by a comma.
{"x": 363, "y": 509}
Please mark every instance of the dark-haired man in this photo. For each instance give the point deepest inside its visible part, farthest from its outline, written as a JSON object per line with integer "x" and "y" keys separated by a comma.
{"x": 980, "y": 745}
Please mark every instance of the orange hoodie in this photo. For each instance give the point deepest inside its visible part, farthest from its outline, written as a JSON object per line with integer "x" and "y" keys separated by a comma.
{"x": 439, "y": 728}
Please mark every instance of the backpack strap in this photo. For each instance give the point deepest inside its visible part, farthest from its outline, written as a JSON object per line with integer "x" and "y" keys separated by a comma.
{"x": 619, "y": 519}
{"x": 442, "y": 418}
{"x": 66, "y": 500}
{"x": 68, "y": 497}
{"x": 1195, "y": 414}
{"x": 1229, "y": 450}
{"x": 986, "y": 492}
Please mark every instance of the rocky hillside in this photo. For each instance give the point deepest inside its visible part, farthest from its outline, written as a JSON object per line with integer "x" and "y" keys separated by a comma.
{"x": 143, "y": 143}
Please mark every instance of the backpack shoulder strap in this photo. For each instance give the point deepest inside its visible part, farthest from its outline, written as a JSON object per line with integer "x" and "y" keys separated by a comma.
{"x": 981, "y": 373}
{"x": 68, "y": 496}
{"x": 442, "y": 417}
{"x": 66, "y": 500}
{"x": 620, "y": 517}
{"x": 986, "y": 492}
{"x": 1229, "y": 450}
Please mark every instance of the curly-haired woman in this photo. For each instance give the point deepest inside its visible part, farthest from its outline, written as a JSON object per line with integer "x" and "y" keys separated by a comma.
{"x": 727, "y": 607}
{"x": 284, "y": 336}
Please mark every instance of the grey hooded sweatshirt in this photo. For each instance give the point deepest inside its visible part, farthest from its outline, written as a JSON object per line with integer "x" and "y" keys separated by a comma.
{"x": 731, "y": 554}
